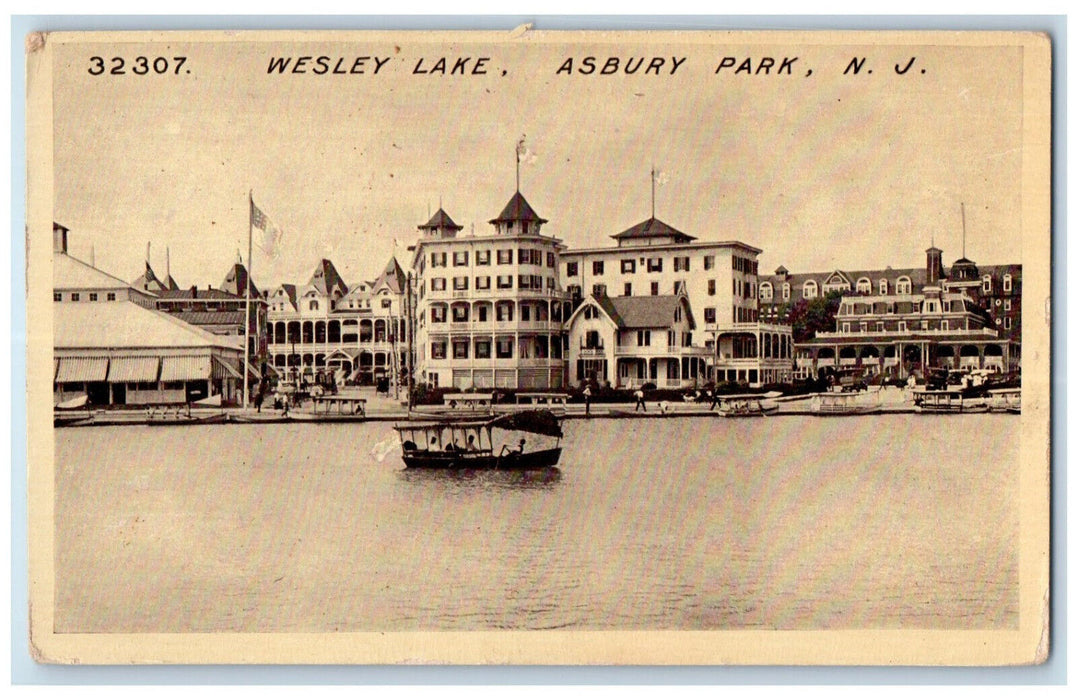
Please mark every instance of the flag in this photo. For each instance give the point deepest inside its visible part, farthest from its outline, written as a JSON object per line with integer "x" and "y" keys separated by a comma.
{"x": 524, "y": 153}
{"x": 270, "y": 241}
{"x": 660, "y": 177}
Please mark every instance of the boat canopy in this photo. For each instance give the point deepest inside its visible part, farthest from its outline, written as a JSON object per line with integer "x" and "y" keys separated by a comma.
{"x": 540, "y": 422}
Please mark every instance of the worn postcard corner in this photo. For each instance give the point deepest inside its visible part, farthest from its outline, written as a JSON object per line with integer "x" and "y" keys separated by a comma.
{"x": 533, "y": 347}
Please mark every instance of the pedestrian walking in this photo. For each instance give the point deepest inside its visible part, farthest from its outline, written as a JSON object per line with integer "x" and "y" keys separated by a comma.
{"x": 640, "y": 401}
{"x": 587, "y": 402}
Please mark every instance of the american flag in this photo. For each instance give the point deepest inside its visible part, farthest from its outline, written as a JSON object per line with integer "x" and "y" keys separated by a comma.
{"x": 270, "y": 243}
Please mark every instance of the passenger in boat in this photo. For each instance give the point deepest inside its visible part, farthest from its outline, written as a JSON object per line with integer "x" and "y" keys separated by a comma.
{"x": 432, "y": 446}
{"x": 510, "y": 450}
{"x": 472, "y": 447}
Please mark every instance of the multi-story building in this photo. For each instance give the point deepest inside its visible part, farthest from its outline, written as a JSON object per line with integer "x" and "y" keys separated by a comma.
{"x": 355, "y": 335}
{"x": 111, "y": 347}
{"x": 490, "y": 308}
{"x": 898, "y": 321}
{"x": 719, "y": 279}
{"x": 630, "y": 341}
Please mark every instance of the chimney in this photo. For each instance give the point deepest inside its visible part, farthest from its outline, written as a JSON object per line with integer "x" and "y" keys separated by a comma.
{"x": 194, "y": 291}
{"x": 59, "y": 238}
{"x": 934, "y": 265}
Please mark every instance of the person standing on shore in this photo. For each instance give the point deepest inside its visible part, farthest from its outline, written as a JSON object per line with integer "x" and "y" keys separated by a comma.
{"x": 587, "y": 402}
{"x": 640, "y": 401}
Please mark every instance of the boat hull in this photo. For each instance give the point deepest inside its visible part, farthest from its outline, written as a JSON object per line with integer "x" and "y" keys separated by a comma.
{"x": 463, "y": 460}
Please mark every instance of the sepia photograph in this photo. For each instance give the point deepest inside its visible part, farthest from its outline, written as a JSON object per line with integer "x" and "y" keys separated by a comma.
{"x": 539, "y": 347}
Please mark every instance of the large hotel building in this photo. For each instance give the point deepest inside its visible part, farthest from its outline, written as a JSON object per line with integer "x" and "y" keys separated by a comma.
{"x": 490, "y": 309}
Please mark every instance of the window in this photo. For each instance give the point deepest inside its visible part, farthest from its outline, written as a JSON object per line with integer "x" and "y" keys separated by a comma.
{"x": 93, "y": 296}
{"x": 643, "y": 338}
{"x": 883, "y": 286}
{"x": 809, "y": 290}
{"x": 1006, "y": 304}
{"x": 1008, "y": 283}
{"x": 709, "y": 262}
{"x": 628, "y": 266}
{"x": 575, "y": 291}
{"x": 527, "y": 256}
{"x": 503, "y": 312}
{"x": 550, "y": 283}
{"x": 711, "y": 288}
{"x": 845, "y": 327}
{"x": 460, "y": 258}
{"x": 903, "y": 286}
{"x": 572, "y": 269}
{"x": 592, "y": 340}
{"x": 902, "y": 326}
{"x": 482, "y": 282}
{"x": 550, "y": 260}
{"x": 505, "y": 348}
{"x": 505, "y": 256}
{"x": 74, "y": 296}
{"x": 709, "y": 314}
{"x": 482, "y": 349}
{"x": 628, "y": 289}
{"x": 386, "y": 303}
{"x": 482, "y": 257}
{"x": 481, "y": 314}
{"x": 437, "y": 350}
{"x": 864, "y": 286}
{"x": 1007, "y": 322}
{"x": 524, "y": 227}
{"x": 57, "y": 296}
{"x": 597, "y": 267}
{"x": 313, "y": 306}
{"x": 671, "y": 339}
{"x": 437, "y": 259}
{"x": 460, "y": 283}
{"x": 655, "y": 264}
{"x": 681, "y": 264}
{"x": 460, "y": 313}
{"x": 766, "y": 291}
{"x": 598, "y": 290}
{"x": 945, "y": 325}
{"x": 460, "y": 349}
{"x": 111, "y": 296}
{"x": 437, "y": 314}
{"x": 986, "y": 284}
{"x": 437, "y": 284}
{"x": 879, "y": 326}
{"x": 654, "y": 289}
{"x": 505, "y": 281}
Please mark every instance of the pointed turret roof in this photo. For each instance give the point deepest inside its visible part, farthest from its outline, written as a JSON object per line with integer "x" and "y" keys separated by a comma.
{"x": 440, "y": 220}
{"x": 654, "y": 228}
{"x": 236, "y": 282}
{"x": 518, "y": 209}
{"x": 326, "y": 277}
{"x": 392, "y": 277}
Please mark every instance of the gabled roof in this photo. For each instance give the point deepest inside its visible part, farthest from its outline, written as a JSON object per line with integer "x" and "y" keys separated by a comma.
{"x": 170, "y": 283}
{"x": 290, "y": 292}
{"x": 148, "y": 282}
{"x": 72, "y": 273}
{"x": 641, "y": 312}
{"x": 124, "y": 324}
{"x": 325, "y": 278}
{"x": 197, "y": 294}
{"x": 648, "y": 311}
{"x": 393, "y": 277}
{"x": 518, "y": 209}
{"x": 653, "y": 228}
{"x": 236, "y": 282}
{"x": 440, "y": 220}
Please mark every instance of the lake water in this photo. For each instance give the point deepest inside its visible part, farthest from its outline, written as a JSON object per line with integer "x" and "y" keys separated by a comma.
{"x": 787, "y": 522}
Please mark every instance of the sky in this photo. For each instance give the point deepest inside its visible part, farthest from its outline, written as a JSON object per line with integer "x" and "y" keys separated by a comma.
{"x": 820, "y": 171}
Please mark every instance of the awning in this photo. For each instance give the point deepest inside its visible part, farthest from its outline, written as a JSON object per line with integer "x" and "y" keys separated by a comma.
{"x": 223, "y": 369}
{"x": 82, "y": 369}
{"x": 133, "y": 369}
{"x": 179, "y": 369}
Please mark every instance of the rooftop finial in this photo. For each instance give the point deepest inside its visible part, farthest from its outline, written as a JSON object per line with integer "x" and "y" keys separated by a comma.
{"x": 963, "y": 229}
{"x": 653, "y": 190}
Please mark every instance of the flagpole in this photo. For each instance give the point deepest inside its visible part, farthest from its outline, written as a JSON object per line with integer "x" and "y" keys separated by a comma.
{"x": 247, "y": 303}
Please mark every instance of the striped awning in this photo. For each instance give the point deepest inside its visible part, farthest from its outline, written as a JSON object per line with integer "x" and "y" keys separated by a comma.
{"x": 224, "y": 369}
{"x": 133, "y": 369}
{"x": 179, "y": 369}
{"x": 82, "y": 369}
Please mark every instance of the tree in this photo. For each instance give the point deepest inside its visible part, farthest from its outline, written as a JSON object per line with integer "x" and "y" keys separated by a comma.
{"x": 810, "y": 316}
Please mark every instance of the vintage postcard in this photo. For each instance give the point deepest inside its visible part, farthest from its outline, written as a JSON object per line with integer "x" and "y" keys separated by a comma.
{"x": 539, "y": 347}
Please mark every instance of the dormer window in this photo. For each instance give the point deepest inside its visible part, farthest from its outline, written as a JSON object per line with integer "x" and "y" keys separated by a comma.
{"x": 809, "y": 290}
{"x": 986, "y": 284}
{"x": 1008, "y": 283}
{"x": 883, "y": 286}
{"x": 864, "y": 286}
{"x": 904, "y": 286}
